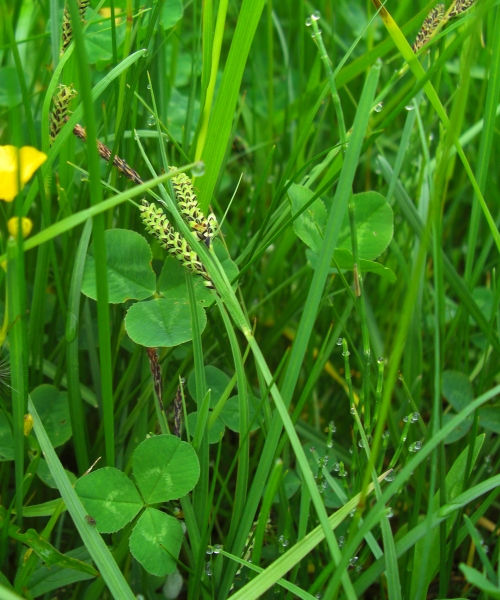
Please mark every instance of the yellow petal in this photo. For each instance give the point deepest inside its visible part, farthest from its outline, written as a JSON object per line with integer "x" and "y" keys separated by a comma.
{"x": 13, "y": 226}
{"x": 28, "y": 424}
{"x": 29, "y": 158}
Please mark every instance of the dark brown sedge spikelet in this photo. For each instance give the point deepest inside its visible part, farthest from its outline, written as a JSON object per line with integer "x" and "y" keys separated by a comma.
{"x": 460, "y": 6}
{"x": 82, "y": 7}
{"x": 430, "y": 24}
{"x": 178, "y": 410}
{"x": 154, "y": 365}
{"x": 105, "y": 153}
{"x": 67, "y": 32}
{"x": 203, "y": 227}
{"x": 59, "y": 114}
{"x": 158, "y": 225}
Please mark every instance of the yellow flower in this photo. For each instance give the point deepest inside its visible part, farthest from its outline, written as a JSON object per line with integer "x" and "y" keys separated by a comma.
{"x": 28, "y": 424}
{"x": 17, "y": 165}
{"x": 13, "y": 226}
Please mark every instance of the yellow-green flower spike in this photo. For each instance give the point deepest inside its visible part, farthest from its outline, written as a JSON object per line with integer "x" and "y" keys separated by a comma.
{"x": 204, "y": 227}
{"x": 59, "y": 114}
{"x": 460, "y": 6}
{"x": 158, "y": 225}
{"x": 430, "y": 24}
{"x": 67, "y": 32}
{"x": 82, "y": 7}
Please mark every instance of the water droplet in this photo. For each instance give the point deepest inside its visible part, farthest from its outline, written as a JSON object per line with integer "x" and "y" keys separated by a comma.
{"x": 380, "y": 360}
{"x": 346, "y": 353}
{"x": 389, "y": 512}
{"x": 336, "y": 467}
{"x": 410, "y": 107}
{"x": 198, "y": 169}
{"x": 352, "y": 410}
{"x": 406, "y": 419}
{"x": 341, "y": 541}
{"x": 217, "y": 548}
{"x": 361, "y": 444}
{"x": 209, "y": 551}
{"x": 331, "y": 427}
{"x": 208, "y": 569}
{"x": 308, "y": 22}
{"x": 415, "y": 417}
{"x": 390, "y": 476}
{"x": 386, "y": 434}
{"x": 316, "y": 15}
{"x": 416, "y": 446}
{"x": 339, "y": 342}
{"x": 378, "y": 107}
{"x": 329, "y": 444}
{"x": 353, "y": 560}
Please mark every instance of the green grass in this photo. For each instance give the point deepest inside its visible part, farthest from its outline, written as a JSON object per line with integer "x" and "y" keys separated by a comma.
{"x": 346, "y": 397}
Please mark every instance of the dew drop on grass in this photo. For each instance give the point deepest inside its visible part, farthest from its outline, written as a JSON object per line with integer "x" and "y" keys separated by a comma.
{"x": 346, "y": 353}
{"x": 208, "y": 569}
{"x": 415, "y": 417}
{"x": 378, "y": 107}
{"x": 416, "y": 446}
{"x": 339, "y": 342}
{"x": 390, "y": 476}
{"x": 217, "y": 548}
{"x": 198, "y": 169}
{"x": 409, "y": 107}
{"x": 341, "y": 541}
{"x": 308, "y": 22}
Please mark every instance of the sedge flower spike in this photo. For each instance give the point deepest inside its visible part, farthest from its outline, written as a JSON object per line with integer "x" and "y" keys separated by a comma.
{"x": 17, "y": 166}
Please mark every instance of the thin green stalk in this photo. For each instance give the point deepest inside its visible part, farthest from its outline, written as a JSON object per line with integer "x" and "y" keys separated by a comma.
{"x": 486, "y": 144}
{"x": 312, "y": 21}
{"x": 103, "y": 323}
{"x": 76, "y": 409}
{"x": 215, "y": 44}
{"x": 16, "y": 307}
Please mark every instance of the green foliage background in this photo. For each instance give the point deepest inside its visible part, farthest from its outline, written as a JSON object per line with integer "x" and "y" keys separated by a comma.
{"x": 315, "y": 368}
